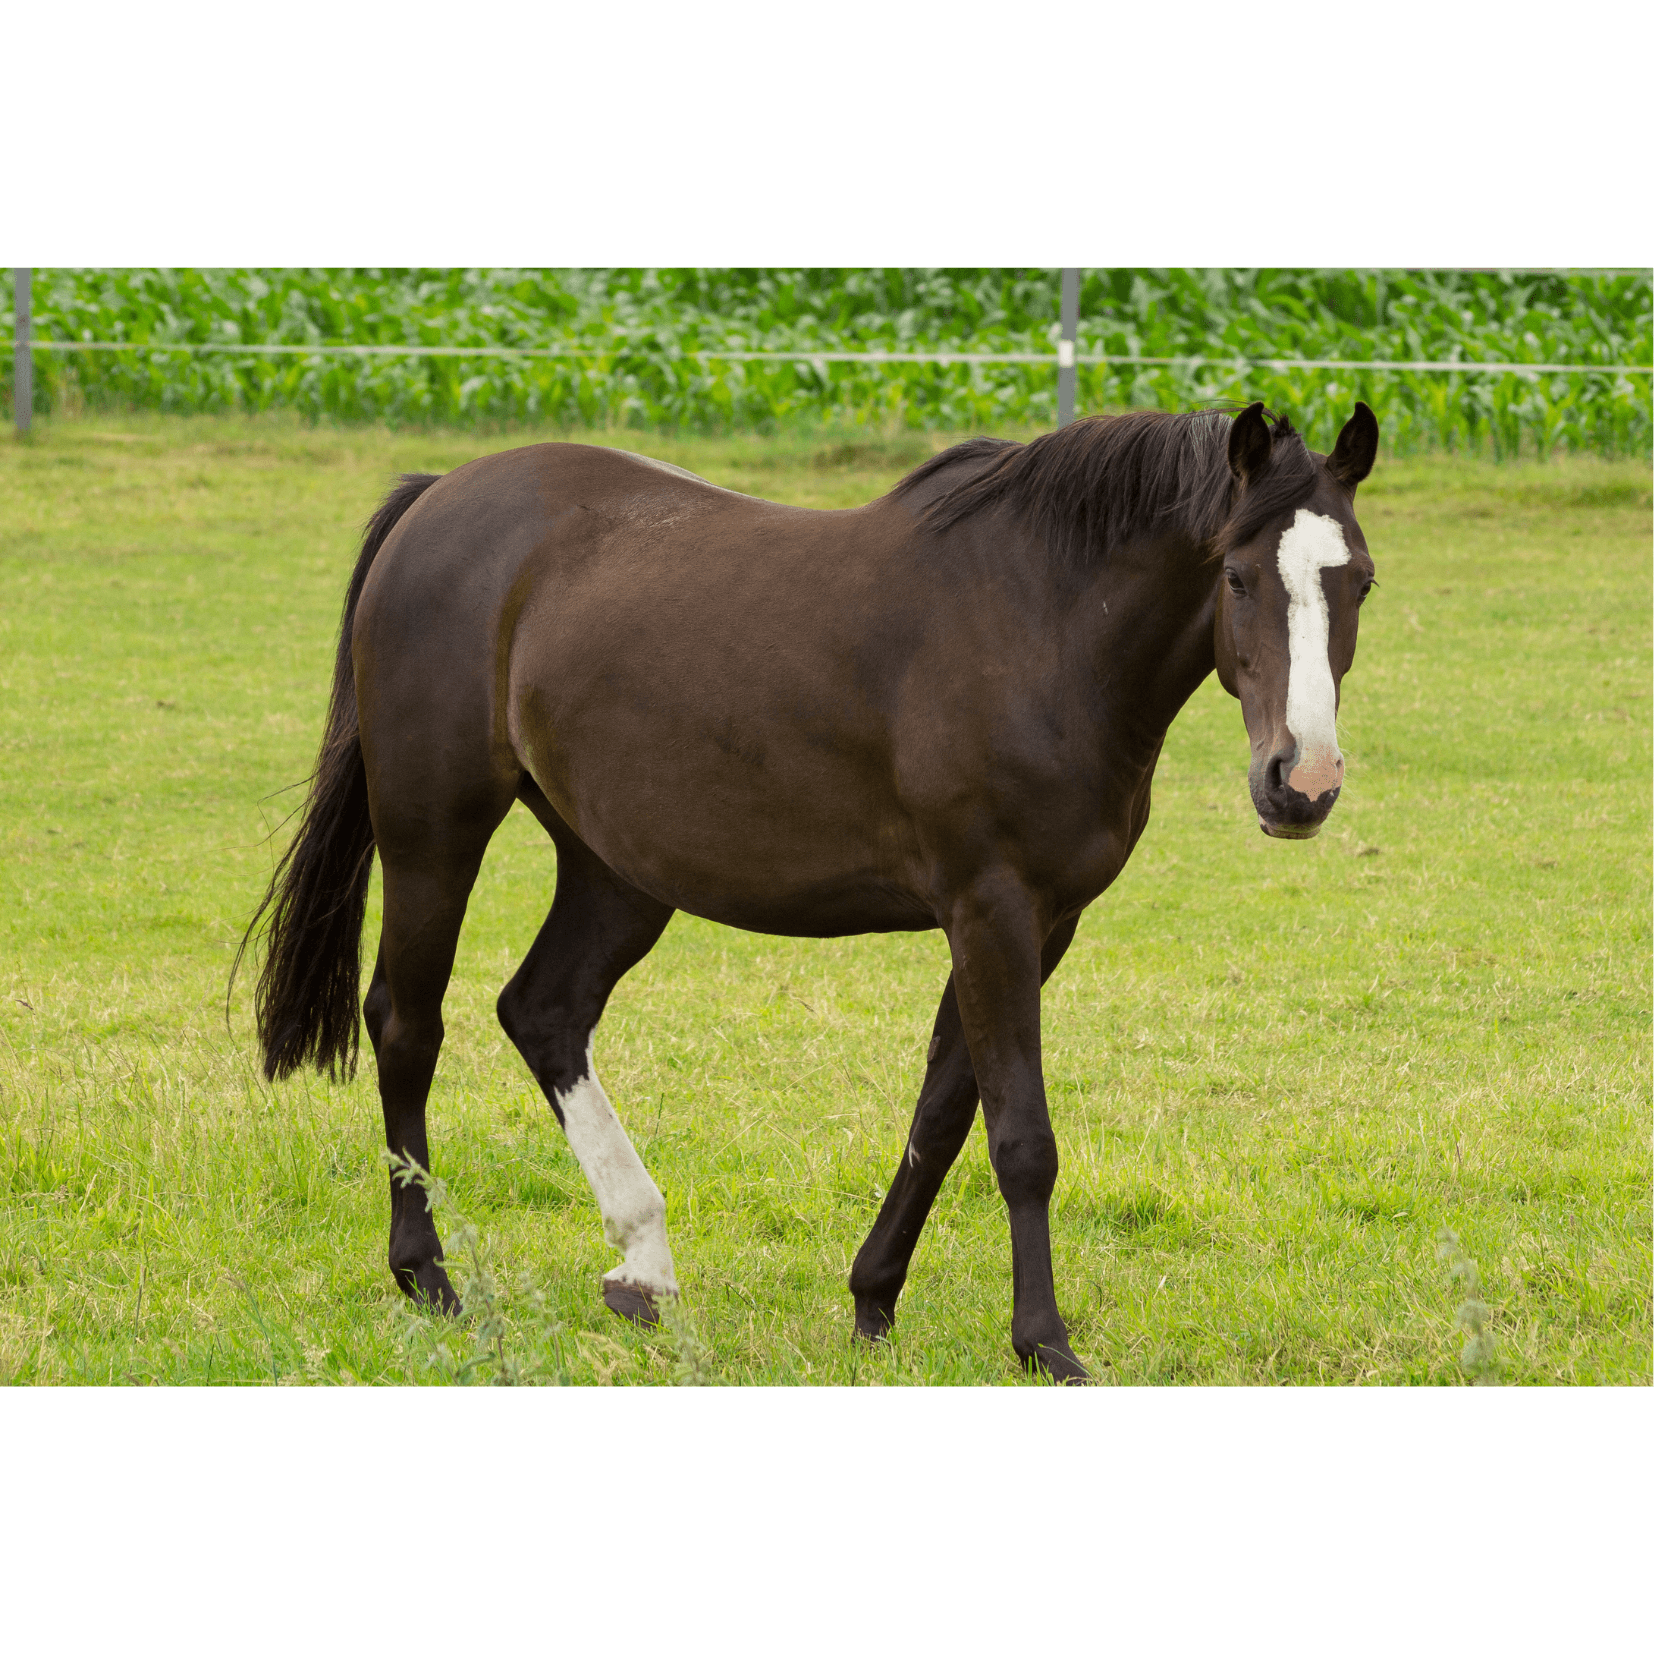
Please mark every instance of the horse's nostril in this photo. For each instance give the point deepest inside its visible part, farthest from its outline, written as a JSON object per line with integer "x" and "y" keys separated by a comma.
{"x": 1274, "y": 774}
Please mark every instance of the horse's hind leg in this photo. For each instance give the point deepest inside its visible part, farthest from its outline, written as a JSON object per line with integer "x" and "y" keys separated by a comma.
{"x": 598, "y": 928}
{"x": 941, "y": 1123}
{"x": 427, "y": 882}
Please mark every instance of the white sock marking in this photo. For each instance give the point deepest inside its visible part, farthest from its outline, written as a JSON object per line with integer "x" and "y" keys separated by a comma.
{"x": 1311, "y": 544}
{"x": 634, "y": 1214}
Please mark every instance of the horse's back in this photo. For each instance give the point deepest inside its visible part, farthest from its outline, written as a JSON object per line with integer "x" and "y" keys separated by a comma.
{"x": 553, "y": 506}
{"x": 692, "y": 676}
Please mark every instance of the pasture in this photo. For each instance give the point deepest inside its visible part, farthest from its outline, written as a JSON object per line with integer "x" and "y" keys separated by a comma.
{"x": 1277, "y": 1070}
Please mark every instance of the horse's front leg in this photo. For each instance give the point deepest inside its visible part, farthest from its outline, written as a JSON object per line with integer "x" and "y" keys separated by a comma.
{"x": 996, "y": 932}
{"x": 941, "y": 1123}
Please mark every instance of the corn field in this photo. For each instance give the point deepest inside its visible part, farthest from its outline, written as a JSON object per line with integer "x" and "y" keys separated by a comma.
{"x": 645, "y": 325}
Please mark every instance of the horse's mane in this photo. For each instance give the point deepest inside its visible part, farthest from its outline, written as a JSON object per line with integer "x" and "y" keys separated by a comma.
{"x": 1113, "y": 478}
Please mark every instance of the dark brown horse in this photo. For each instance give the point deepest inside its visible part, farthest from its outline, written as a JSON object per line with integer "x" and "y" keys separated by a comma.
{"x": 942, "y": 709}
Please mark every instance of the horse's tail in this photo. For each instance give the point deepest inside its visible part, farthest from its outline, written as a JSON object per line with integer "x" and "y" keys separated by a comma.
{"x": 309, "y": 986}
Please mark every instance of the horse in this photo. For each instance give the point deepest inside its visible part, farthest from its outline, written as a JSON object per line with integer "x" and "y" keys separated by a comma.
{"x": 942, "y": 709}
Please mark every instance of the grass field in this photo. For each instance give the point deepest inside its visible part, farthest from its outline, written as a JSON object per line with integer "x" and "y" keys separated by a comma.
{"x": 1277, "y": 1070}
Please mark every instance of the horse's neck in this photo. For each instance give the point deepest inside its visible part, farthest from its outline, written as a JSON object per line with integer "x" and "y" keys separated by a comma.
{"x": 1146, "y": 622}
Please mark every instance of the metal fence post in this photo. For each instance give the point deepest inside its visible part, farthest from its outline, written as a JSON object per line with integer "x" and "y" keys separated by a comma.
{"x": 1066, "y": 371}
{"x": 22, "y": 378}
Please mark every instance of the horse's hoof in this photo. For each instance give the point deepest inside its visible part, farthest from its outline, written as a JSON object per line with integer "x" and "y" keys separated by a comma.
{"x": 429, "y": 1287}
{"x": 873, "y": 1323}
{"x": 1058, "y": 1363}
{"x": 634, "y": 1303}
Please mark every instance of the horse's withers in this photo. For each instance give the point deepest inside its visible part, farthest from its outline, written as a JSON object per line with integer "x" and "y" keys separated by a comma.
{"x": 1285, "y": 627}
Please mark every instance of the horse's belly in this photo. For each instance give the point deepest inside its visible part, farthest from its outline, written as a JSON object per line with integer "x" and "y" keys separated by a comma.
{"x": 753, "y": 864}
{"x": 765, "y": 831}
{"x": 853, "y": 907}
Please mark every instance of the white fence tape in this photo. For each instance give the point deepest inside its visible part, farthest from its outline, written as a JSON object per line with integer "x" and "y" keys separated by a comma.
{"x": 874, "y": 357}
{"x": 1065, "y": 358}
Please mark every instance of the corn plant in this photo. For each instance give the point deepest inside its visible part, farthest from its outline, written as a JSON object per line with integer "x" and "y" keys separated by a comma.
{"x": 644, "y": 327}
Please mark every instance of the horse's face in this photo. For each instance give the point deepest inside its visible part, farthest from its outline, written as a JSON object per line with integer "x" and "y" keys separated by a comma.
{"x": 1289, "y": 602}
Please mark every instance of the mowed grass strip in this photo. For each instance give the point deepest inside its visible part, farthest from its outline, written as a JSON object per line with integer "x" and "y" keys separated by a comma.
{"x": 1276, "y": 1070}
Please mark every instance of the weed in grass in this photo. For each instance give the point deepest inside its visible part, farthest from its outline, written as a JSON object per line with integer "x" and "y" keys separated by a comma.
{"x": 515, "y": 1339}
{"x": 693, "y": 1363}
{"x": 503, "y": 1350}
{"x": 1480, "y": 1356}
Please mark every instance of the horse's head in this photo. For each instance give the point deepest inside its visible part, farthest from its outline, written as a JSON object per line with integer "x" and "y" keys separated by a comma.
{"x": 1289, "y": 600}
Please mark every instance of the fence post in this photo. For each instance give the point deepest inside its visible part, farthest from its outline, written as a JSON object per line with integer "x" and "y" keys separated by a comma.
{"x": 22, "y": 378}
{"x": 1066, "y": 371}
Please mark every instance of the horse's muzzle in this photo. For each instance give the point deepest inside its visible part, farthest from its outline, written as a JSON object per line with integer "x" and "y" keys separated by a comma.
{"x": 1283, "y": 811}
{"x": 1280, "y": 830}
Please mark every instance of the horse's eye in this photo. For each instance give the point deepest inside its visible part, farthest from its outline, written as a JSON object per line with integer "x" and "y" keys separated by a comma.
{"x": 1236, "y": 584}
{"x": 1361, "y": 596}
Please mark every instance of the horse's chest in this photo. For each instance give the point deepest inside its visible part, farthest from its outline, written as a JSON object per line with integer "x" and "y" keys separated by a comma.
{"x": 1113, "y": 817}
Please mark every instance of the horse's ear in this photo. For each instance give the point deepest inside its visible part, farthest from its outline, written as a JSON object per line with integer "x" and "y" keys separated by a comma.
{"x": 1357, "y": 447}
{"x": 1249, "y": 443}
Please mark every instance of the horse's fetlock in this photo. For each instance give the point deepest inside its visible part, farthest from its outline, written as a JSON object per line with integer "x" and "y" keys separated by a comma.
{"x": 878, "y": 1283}
{"x": 412, "y": 1256}
{"x": 645, "y": 1215}
{"x": 1034, "y": 1347}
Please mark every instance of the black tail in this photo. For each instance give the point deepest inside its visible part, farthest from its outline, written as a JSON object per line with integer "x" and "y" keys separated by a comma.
{"x": 309, "y": 987}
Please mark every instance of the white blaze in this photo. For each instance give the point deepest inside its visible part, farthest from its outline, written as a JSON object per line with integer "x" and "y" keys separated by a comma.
{"x": 1311, "y": 544}
{"x": 634, "y": 1214}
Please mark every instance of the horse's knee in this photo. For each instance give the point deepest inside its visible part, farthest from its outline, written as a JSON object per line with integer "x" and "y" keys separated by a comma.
{"x": 1026, "y": 1166}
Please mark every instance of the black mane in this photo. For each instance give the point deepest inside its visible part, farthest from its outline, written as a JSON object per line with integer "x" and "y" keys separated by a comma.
{"x": 1113, "y": 478}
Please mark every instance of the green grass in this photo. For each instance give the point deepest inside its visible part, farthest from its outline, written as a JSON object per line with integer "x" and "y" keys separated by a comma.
{"x": 1277, "y": 1070}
